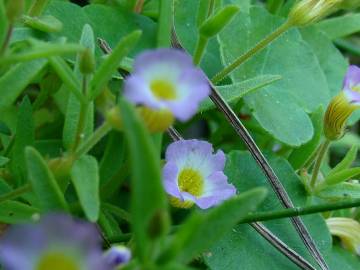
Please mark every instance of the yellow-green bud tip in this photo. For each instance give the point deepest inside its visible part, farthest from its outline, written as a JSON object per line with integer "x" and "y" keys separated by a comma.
{"x": 87, "y": 62}
{"x": 336, "y": 115}
{"x": 156, "y": 120}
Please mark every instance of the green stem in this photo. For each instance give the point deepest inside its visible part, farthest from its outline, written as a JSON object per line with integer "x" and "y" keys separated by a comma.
{"x": 117, "y": 211}
{"x": 322, "y": 151}
{"x": 82, "y": 116}
{"x": 300, "y": 211}
{"x": 310, "y": 160}
{"x": 38, "y": 7}
{"x": 15, "y": 193}
{"x": 247, "y": 55}
{"x": 7, "y": 40}
{"x": 93, "y": 139}
{"x": 200, "y": 49}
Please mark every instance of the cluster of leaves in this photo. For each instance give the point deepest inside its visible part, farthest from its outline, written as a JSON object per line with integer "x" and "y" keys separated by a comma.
{"x": 49, "y": 125}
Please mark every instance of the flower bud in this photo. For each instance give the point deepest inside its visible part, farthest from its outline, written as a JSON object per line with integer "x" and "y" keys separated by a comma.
{"x": 336, "y": 115}
{"x": 216, "y": 23}
{"x": 156, "y": 120}
{"x": 87, "y": 62}
{"x": 309, "y": 11}
{"x": 113, "y": 117}
{"x": 348, "y": 230}
{"x": 117, "y": 255}
{"x": 14, "y": 9}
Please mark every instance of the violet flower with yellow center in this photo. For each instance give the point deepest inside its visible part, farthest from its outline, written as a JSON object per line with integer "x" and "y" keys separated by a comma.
{"x": 57, "y": 242}
{"x": 193, "y": 174}
{"x": 167, "y": 85}
{"x": 343, "y": 105}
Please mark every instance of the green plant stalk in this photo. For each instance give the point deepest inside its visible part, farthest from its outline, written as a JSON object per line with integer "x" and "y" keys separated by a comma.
{"x": 200, "y": 49}
{"x": 93, "y": 139}
{"x": 165, "y": 23}
{"x": 7, "y": 39}
{"x": 82, "y": 116}
{"x": 37, "y": 7}
{"x": 15, "y": 193}
{"x": 322, "y": 151}
{"x": 250, "y": 53}
{"x": 300, "y": 211}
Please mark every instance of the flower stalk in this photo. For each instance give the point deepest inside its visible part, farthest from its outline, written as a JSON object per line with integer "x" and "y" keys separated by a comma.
{"x": 321, "y": 154}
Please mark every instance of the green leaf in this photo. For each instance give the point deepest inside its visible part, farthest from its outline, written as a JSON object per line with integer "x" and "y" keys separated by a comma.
{"x": 340, "y": 176}
{"x": 25, "y": 136}
{"x": 73, "y": 109}
{"x": 45, "y": 23}
{"x": 346, "y": 162}
{"x": 202, "y": 230}
{"x": 3, "y": 22}
{"x": 3, "y": 161}
{"x": 43, "y": 182}
{"x": 85, "y": 177}
{"x": 165, "y": 23}
{"x": 295, "y": 90}
{"x": 213, "y": 25}
{"x": 13, "y": 212}
{"x": 340, "y": 26}
{"x": 340, "y": 191}
{"x": 300, "y": 155}
{"x": 148, "y": 197}
{"x": 109, "y": 23}
{"x": 10, "y": 84}
{"x": 234, "y": 92}
{"x": 243, "y": 246}
{"x": 109, "y": 66}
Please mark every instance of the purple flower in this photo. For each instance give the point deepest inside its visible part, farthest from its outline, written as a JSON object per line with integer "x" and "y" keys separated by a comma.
{"x": 352, "y": 85}
{"x": 194, "y": 174}
{"x": 117, "y": 255}
{"x": 167, "y": 80}
{"x": 57, "y": 242}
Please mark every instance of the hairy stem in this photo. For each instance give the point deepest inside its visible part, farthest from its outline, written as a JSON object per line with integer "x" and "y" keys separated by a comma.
{"x": 321, "y": 154}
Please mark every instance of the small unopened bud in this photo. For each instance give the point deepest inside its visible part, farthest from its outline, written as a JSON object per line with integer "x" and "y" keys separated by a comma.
{"x": 216, "y": 23}
{"x": 87, "y": 62}
{"x": 309, "y": 11}
{"x": 116, "y": 256}
{"x": 348, "y": 230}
{"x": 336, "y": 116}
{"x": 14, "y": 9}
{"x": 113, "y": 117}
{"x": 156, "y": 120}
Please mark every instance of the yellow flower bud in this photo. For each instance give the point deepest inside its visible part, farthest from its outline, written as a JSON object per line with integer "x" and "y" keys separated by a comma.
{"x": 87, "y": 62}
{"x": 156, "y": 120}
{"x": 309, "y": 11}
{"x": 336, "y": 115}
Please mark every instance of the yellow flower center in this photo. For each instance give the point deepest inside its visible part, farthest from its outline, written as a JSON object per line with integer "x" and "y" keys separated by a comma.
{"x": 191, "y": 181}
{"x": 57, "y": 261}
{"x": 163, "y": 89}
{"x": 356, "y": 88}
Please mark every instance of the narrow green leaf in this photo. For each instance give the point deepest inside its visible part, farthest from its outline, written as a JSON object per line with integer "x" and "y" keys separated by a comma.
{"x": 24, "y": 136}
{"x": 213, "y": 25}
{"x": 4, "y": 129}
{"x": 73, "y": 109}
{"x": 85, "y": 177}
{"x": 165, "y": 23}
{"x": 3, "y": 22}
{"x": 47, "y": 23}
{"x": 13, "y": 212}
{"x": 341, "y": 176}
{"x": 300, "y": 155}
{"x": 43, "y": 182}
{"x": 67, "y": 76}
{"x": 346, "y": 162}
{"x": 3, "y": 160}
{"x": 340, "y": 191}
{"x": 148, "y": 197}
{"x": 201, "y": 230}
{"x": 108, "y": 224}
{"x": 108, "y": 67}
{"x": 42, "y": 50}
{"x": 11, "y": 85}
{"x": 340, "y": 26}
{"x": 234, "y": 92}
